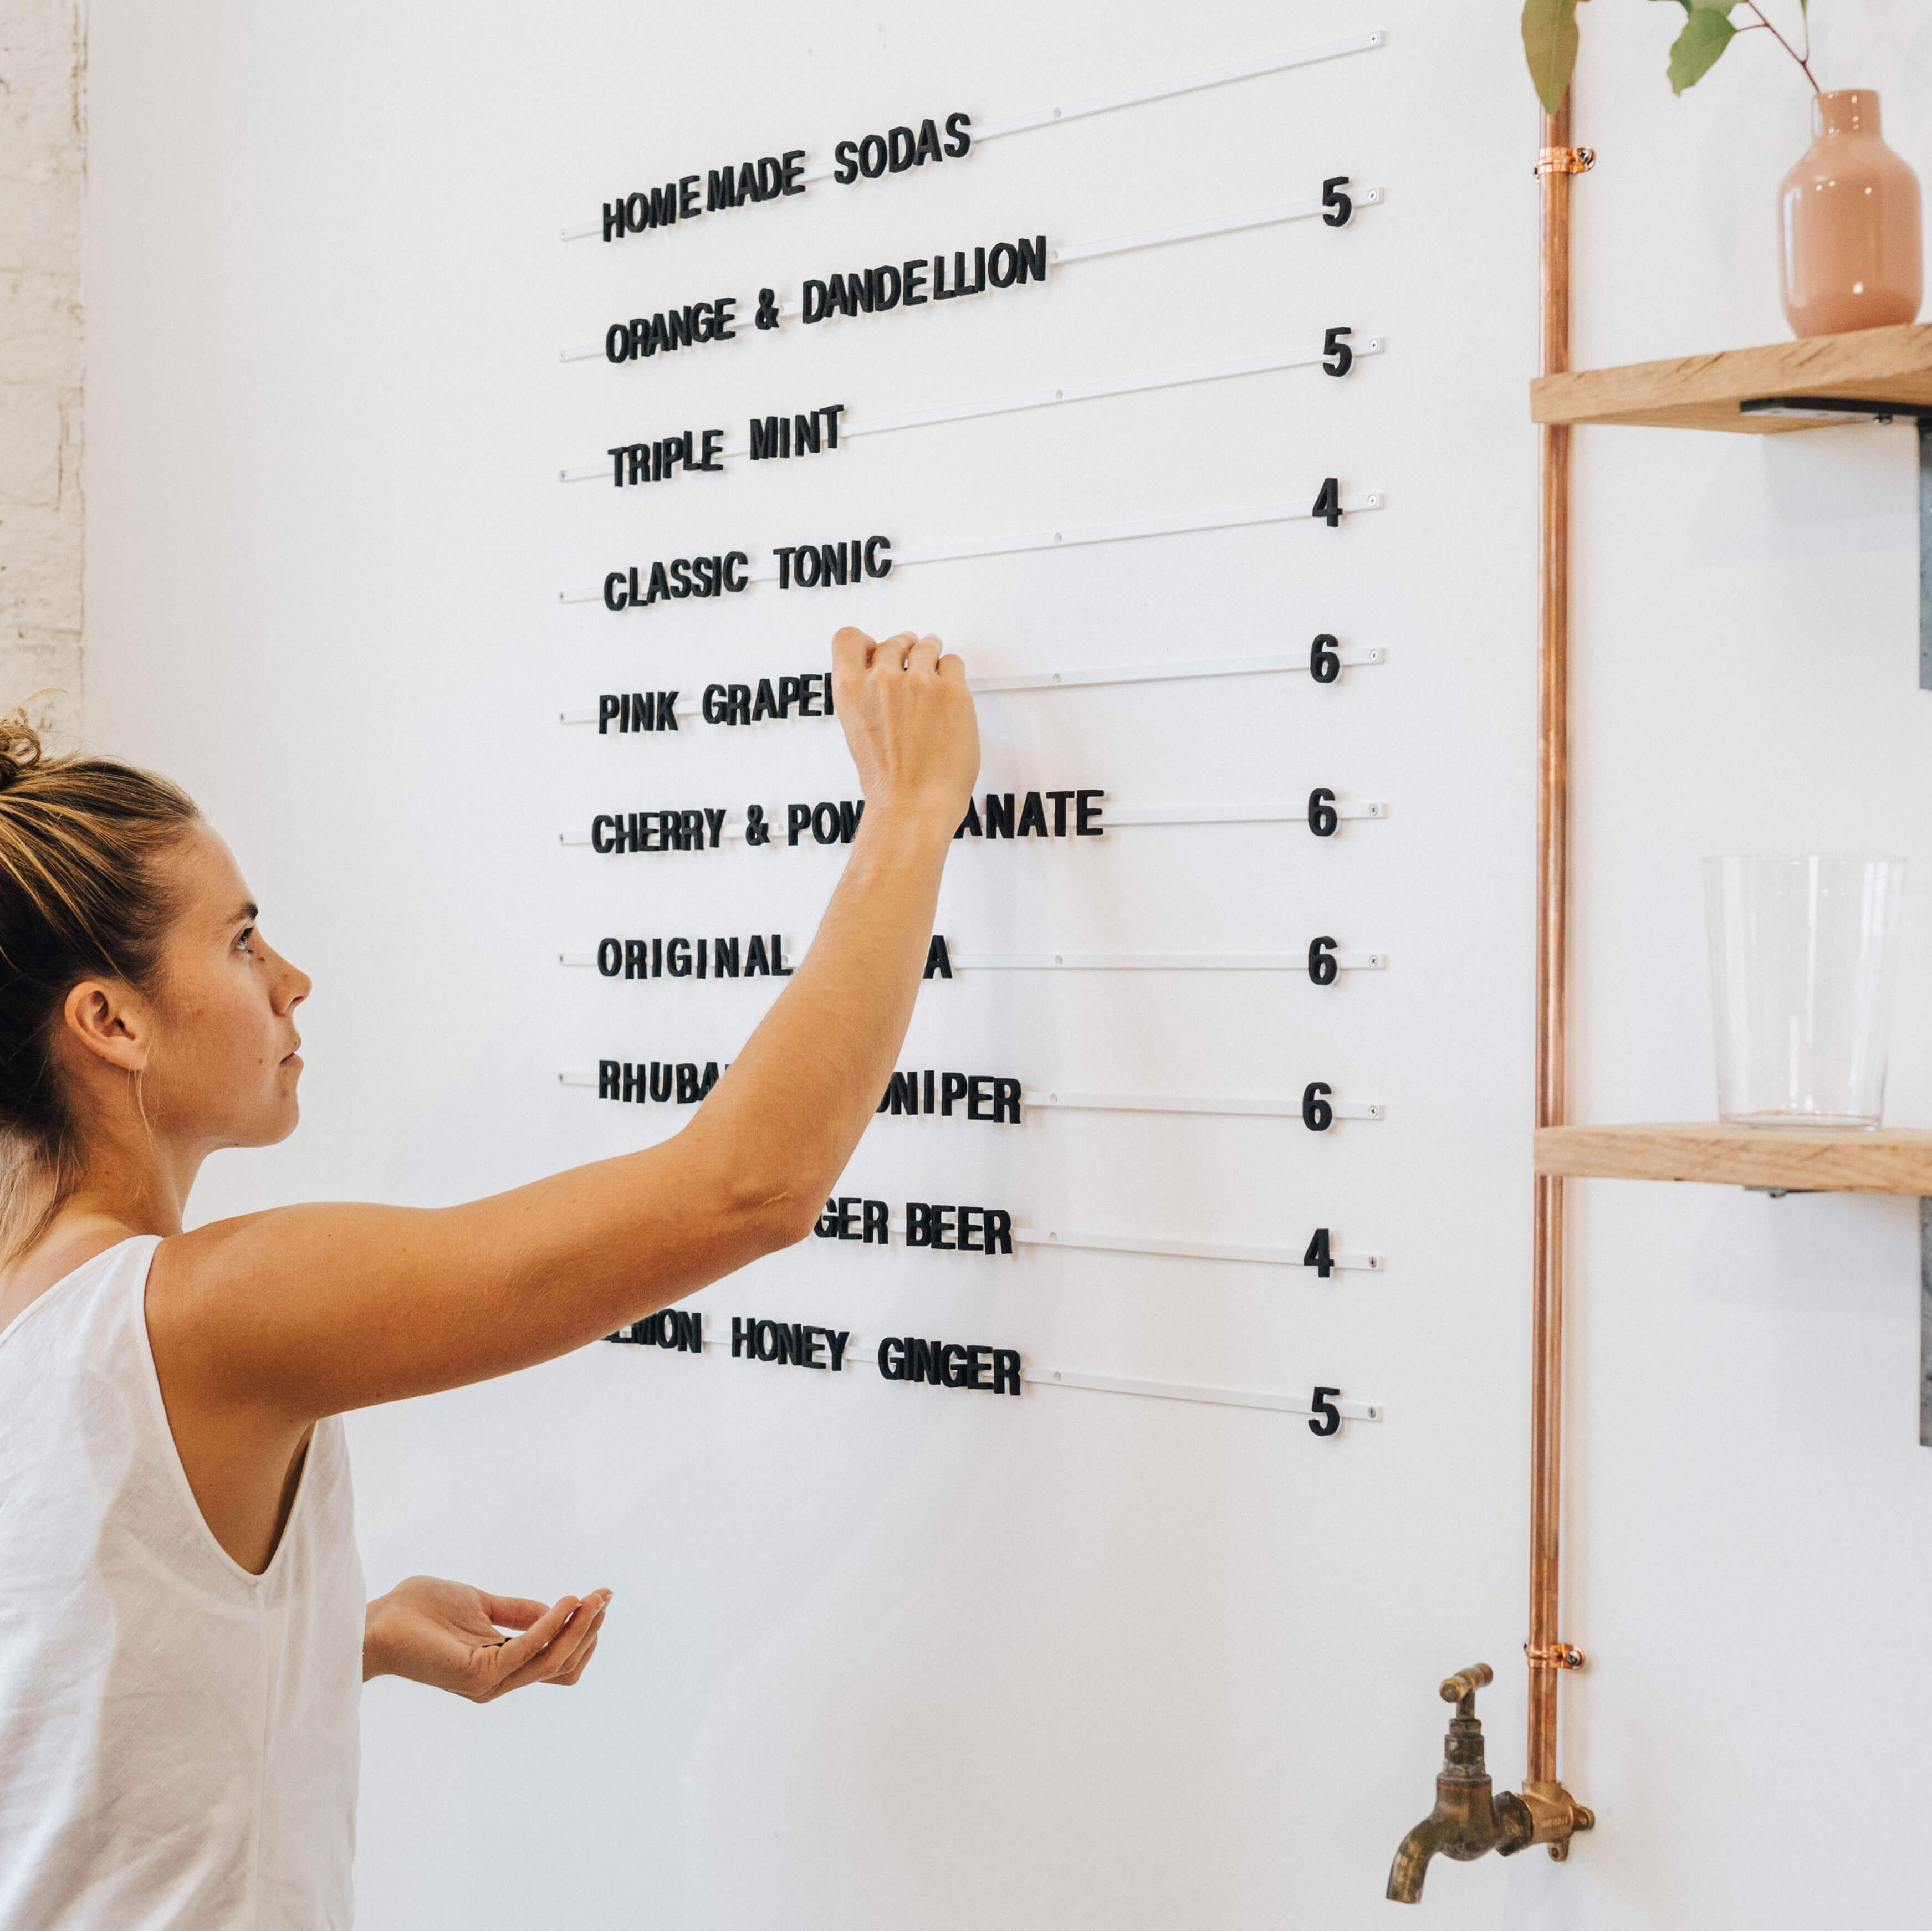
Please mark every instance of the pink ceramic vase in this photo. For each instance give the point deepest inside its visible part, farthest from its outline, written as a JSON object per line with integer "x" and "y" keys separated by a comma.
{"x": 1848, "y": 224}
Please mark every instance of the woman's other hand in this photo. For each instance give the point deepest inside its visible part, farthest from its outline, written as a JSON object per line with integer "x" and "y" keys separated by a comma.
{"x": 451, "y": 1636}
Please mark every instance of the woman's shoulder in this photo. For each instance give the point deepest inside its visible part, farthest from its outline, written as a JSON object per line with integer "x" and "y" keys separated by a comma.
{"x": 68, "y": 1248}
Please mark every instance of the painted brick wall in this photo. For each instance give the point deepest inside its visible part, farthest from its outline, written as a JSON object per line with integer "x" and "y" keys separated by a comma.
{"x": 42, "y": 183}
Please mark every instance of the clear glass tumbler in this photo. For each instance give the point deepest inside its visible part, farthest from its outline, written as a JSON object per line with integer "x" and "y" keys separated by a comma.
{"x": 1804, "y": 954}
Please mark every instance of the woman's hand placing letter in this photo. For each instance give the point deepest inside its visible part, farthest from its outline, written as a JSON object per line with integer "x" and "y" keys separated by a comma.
{"x": 451, "y": 1636}
{"x": 909, "y": 724}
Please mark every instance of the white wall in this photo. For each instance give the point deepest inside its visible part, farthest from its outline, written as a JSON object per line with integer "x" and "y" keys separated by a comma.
{"x": 886, "y": 1656}
{"x": 43, "y": 180}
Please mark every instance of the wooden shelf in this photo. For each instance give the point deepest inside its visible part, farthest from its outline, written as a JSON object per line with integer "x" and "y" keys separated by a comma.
{"x": 1892, "y": 365}
{"x": 1890, "y": 1160}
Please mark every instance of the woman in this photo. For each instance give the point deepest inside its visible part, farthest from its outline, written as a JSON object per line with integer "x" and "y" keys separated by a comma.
{"x": 181, "y": 1618}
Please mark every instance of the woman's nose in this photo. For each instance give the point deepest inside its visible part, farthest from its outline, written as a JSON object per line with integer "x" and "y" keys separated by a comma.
{"x": 293, "y": 985}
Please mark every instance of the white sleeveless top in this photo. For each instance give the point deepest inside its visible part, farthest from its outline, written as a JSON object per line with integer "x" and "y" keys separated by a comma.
{"x": 179, "y": 1743}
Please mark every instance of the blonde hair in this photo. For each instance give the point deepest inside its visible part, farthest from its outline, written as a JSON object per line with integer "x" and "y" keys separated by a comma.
{"x": 80, "y": 898}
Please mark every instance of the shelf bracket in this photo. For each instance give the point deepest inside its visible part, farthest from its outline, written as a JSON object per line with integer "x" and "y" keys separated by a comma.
{"x": 1925, "y": 1323}
{"x": 1823, "y": 409}
{"x": 1925, "y": 552}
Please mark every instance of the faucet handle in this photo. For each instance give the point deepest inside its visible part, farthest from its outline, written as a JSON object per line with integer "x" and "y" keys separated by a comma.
{"x": 1465, "y": 1683}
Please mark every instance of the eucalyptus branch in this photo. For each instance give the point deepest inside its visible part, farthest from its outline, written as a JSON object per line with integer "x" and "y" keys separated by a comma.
{"x": 1549, "y": 42}
{"x": 1804, "y": 59}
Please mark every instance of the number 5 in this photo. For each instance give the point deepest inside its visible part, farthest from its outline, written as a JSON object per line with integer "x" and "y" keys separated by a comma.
{"x": 1338, "y": 206}
{"x": 1332, "y": 344}
{"x": 1327, "y": 1417}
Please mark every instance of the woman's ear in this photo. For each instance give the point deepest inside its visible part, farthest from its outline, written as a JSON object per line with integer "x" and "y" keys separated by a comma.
{"x": 109, "y": 1022}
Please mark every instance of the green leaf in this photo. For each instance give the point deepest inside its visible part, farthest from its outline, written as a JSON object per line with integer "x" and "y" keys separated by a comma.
{"x": 1695, "y": 51}
{"x": 1550, "y": 42}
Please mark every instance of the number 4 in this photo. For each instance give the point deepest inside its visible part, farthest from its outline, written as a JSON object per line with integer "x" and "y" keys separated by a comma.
{"x": 1318, "y": 1256}
{"x": 1328, "y": 503}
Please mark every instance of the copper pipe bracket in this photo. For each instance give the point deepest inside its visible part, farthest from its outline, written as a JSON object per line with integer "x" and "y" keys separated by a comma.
{"x": 1565, "y": 160}
{"x": 1553, "y": 1656}
{"x": 1557, "y": 1817}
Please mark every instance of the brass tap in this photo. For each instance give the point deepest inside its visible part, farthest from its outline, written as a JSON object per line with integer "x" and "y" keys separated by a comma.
{"x": 1469, "y": 1819}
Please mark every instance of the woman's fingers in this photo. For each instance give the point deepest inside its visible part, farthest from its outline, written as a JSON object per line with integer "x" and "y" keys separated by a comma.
{"x": 908, "y": 741}
{"x": 852, "y": 650}
{"x": 561, "y": 1647}
{"x": 509, "y": 1660}
{"x": 569, "y": 1655}
{"x": 576, "y": 1669}
{"x": 513, "y": 1612}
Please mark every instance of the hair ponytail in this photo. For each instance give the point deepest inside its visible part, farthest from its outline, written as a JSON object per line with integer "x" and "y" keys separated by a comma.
{"x": 79, "y": 898}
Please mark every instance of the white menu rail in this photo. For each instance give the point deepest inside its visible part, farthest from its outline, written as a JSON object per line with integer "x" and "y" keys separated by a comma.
{"x": 1132, "y": 97}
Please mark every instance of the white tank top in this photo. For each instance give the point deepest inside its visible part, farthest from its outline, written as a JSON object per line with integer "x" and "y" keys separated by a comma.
{"x": 179, "y": 1744}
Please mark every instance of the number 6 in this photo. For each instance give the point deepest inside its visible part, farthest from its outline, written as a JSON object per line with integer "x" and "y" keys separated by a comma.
{"x": 1321, "y": 966}
{"x": 1322, "y": 817}
{"x": 1317, "y": 1115}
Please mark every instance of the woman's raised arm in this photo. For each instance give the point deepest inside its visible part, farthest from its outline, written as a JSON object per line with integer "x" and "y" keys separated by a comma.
{"x": 308, "y": 1311}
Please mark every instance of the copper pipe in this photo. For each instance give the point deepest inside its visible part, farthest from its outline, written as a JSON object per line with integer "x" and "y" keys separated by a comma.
{"x": 1545, "y": 1472}
{"x": 1469, "y": 1820}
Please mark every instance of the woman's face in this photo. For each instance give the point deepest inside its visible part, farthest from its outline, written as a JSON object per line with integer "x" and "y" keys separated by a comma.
{"x": 223, "y": 1066}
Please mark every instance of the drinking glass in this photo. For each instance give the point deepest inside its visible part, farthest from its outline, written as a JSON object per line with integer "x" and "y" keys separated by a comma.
{"x": 1804, "y": 955}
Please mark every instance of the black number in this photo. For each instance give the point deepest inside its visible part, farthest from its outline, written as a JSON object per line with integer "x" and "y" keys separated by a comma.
{"x": 1328, "y": 502}
{"x": 1338, "y": 206}
{"x": 1322, "y": 960}
{"x": 1324, "y": 666}
{"x": 1317, "y": 1115}
{"x": 1322, "y": 817}
{"x": 1317, "y": 1256}
{"x": 1332, "y": 344}
{"x": 1327, "y": 1417}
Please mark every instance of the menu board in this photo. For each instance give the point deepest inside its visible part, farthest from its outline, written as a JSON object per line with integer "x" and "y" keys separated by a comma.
{"x": 825, "y": 380}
